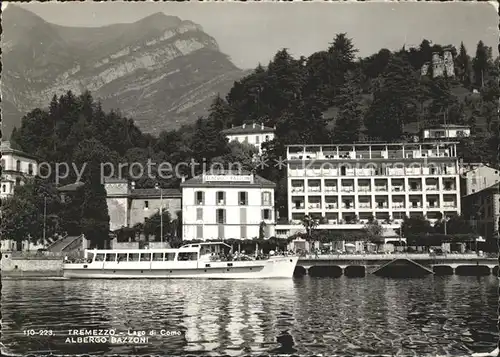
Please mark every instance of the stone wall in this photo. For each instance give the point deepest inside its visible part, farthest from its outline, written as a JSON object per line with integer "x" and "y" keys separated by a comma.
{"x": 31, "y": 266}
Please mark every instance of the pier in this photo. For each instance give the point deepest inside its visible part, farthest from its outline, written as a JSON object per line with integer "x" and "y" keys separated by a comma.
{"x": 404, "y": 265}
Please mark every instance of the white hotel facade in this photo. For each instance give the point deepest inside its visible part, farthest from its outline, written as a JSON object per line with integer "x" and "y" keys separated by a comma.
{"x": 345, "y": 185}
{"x": 224, "y": 205}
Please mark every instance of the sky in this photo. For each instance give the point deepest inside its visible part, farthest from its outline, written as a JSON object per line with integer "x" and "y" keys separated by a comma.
{"x": 251, "y": 33}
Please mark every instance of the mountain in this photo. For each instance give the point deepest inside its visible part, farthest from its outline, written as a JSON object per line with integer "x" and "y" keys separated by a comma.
{"x": 160, "y": 71}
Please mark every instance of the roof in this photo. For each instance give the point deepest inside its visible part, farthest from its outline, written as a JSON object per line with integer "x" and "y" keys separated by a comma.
{"x": 115, "y": 180}
{"x": 155, "y": 193}
{"x": 447, "y": 126}
{"x": 71, "y": 187}
{"x": 5, "y": 148}
{"x": 248, "y": 129}
{"x": 258, "y": 181}
{"x": 479, "y": 166}
{"x": 493, "y": 188}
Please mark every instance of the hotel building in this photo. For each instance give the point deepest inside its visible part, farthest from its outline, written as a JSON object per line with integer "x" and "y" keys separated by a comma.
{"x": 482, "y": 208}
{"x": 346, "y": 185}
{"x": 253, "y": 134}
{"x": 225, "y": 204}
{"x": 16, "y": 167}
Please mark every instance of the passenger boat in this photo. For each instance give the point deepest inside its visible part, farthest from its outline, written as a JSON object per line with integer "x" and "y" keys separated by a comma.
{"x": 193, "y": 261}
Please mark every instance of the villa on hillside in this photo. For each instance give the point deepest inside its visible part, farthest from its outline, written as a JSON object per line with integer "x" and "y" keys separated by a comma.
{"x": 16, "y": 167}
{"x": 253, "y": 134}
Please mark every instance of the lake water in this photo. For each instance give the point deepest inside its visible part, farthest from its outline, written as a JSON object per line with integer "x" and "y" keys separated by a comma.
{"x": 306, "y": 316}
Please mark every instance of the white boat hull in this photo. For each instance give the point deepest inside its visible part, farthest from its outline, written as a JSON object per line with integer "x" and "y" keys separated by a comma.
{"x": 275, "y": 267}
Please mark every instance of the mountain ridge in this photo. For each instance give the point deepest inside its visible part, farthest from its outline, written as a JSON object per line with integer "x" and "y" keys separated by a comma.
{"x": 160, "y": 70}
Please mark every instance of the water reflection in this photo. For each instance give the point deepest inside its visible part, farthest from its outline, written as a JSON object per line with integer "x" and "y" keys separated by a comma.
{"x": 433, "y": 315}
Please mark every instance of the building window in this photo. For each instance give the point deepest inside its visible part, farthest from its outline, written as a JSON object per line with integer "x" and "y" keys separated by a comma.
{"x": 221, "y": 216}
{"x": 243, "y": 198}
{"x": 146, "y": 204}
{"x": 257, "y": 139}
{"x": 342, "y": 171}
{"x": 266, "y": 214}
{"x": 199, "y": 198}
{"x": 221, "y": 198}
{"x": 3, "y": 164}
{"x": 18, "y": 181}
{"x": 30, "y": 169}
{"x": 18, "y": 165}
{"x": 266, "y": 198}
{"x": 199, "y": 231}
{"x": 474, "y": 181}
{"x": 199, "y": 214}
{"x": 267, "y": 137}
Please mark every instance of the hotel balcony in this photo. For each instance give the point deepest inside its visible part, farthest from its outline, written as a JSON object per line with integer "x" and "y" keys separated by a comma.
{"x": 298, "y": 204}
{"x": 331, "y": 202}
{"x": 364, "y": 186}
{"x": 365, "y": 202}
{"x": 330, "y": 186}
{"x": 314, "y": 203}
{"x": 297, "y": 186}
{"x": 432, "y": 202}
{"x": 332, "y": 218}
{"x": 398, "y": 202}
{"x": 415, "y": 204}
{"x": 415, "y": 185}
{"x": 449, "y": 185}
{"x": 398, "y": 185}
{"x": 449, "y": 201}
{"x": 314, "y": 186}
{"x": 347, "y": 203}
{"x": 372, "y": 151}
{"x": 381, "y": 204}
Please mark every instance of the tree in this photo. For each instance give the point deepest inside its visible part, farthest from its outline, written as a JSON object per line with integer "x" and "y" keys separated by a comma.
{"x": 394, "y": 102}
{"x": 309, "y": 224}
{"x": 415, "y": 226}
{"x": 348, "y": 124}
{"x": 463, "y": 66}
{"x": 481, "y": 63}
{"x": 152, "y": 225}
{"x": 373, "y": 231}
{"x": 208, "y": 143}
{"x": 241, "y": 156}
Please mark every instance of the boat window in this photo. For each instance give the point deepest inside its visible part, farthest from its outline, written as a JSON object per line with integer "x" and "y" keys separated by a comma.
{"x": 133, "y": 257}
{"x": 169, "y": 256}
{"x": 111, "y": 257}
{"x": 99, "y": 257}
{"x": 122, "y": 257}
{"x": 90, "y": 257}
{"x": 194, "y": 245}
{"x": 145, "y": 257}
{"x": 157, "y": 257}
{"x": 188, "y": 256}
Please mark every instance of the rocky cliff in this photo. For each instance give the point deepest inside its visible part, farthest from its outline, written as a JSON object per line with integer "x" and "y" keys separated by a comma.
{"x": 160, "y": 71}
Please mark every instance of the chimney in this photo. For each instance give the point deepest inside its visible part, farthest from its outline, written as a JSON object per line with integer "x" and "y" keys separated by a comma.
{"x": 243, "y": 126}
{"x": 261, "y": 126}
{"x": 132, "y": 184}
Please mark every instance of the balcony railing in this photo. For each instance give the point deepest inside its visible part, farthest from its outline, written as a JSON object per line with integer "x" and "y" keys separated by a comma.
{"x": 331, "y": 205}
{"x": 347, "y": 189}
{"x": 381, "y": 189}
{"x": 297, "y": 189}
{"x": 397, "y": 188}
{"x": 331, "y": 189}
{"x": 314, "y": 189}
{"x": 431, "y": 188}
{"x": 398, "y": 206}
{"x": 314, "y": 206}
{"x": 364, "y": 189}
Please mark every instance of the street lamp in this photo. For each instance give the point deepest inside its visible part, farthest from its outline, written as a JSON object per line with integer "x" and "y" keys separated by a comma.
{"x": 157, "y": 186}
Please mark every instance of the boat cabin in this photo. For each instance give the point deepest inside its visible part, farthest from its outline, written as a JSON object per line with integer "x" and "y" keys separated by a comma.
{"x": 189, "y": 252}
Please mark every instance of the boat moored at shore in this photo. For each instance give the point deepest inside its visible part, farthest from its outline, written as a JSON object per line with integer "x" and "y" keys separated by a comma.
{"x": 193, "y": 261}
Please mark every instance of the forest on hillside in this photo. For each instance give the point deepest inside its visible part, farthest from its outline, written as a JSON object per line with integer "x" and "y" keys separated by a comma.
{"x": 332, "y": 96}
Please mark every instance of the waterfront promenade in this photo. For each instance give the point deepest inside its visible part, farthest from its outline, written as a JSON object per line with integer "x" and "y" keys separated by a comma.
{"x": 362, "y": 264}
